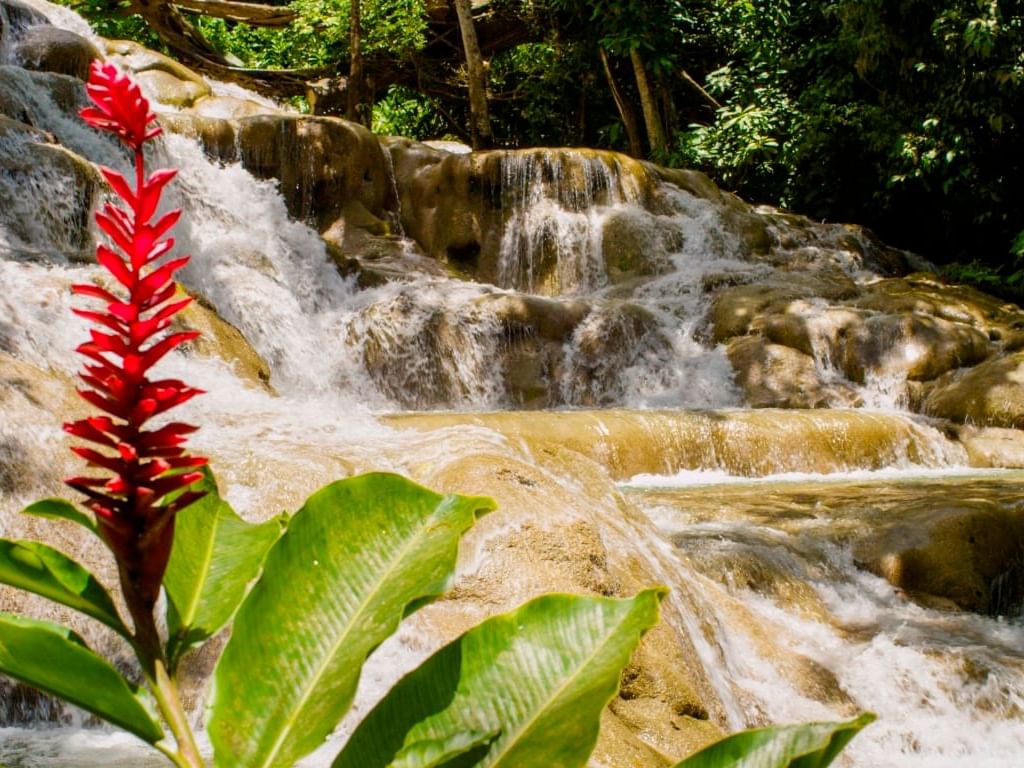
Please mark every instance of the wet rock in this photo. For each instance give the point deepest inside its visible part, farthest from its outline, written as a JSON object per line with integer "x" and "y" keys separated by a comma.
{"x": 29, "y": 163}
{"x": 229, "y": 107}
{"x": 990, "y": 394}
{"x": 222, "y": 340}
{"x": 777, "y": 376}
{"x": 217, "y": 135}
{"x": 636, "y": 244}
{"x": 323, "y": 164}
{"x": 50, "y": 49}
{"x": 20, "y": 17}
{"x": 550, "y": 319}
{"x": 992, "y": 446}
{"x": 461, "y": 209}
{"x": 970, "y": 553}
{"x": 361, "y": 244}
{"x": 751, "y": 443}
{"x": 610, "y": 339}
{"x": 171, "y": 90}
{"x": 19, "y": 94}
{"x": 925, "y": 294}
{"x": 666, "y": 708}
{"x": 735, "y": 308}
{"x": 138, "y": 59}
{"x": 862, "y": 344}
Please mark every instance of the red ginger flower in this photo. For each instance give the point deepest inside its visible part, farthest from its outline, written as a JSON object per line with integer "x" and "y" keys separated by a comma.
{"x": 133, "y": 504}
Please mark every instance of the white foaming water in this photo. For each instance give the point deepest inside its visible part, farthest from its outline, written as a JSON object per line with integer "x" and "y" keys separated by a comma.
{"x": 557, "y": 204}
{"x": 691, "y": 478}
{"x": 948, "y": 688}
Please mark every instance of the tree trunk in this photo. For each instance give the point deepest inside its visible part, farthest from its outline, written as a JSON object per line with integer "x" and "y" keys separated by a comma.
{"x": 355, "y": 110}
{"x": 655, "y": 132}
{"x": 479, "y": 114}
{"x": 636, "y": 148}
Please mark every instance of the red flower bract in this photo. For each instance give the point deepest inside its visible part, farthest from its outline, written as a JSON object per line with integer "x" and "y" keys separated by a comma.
{"x": 120, "y": 106}
{"x": 148, "y": 471}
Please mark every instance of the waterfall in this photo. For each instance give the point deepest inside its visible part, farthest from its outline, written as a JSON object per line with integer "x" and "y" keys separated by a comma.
{"x": 602, "y": 297}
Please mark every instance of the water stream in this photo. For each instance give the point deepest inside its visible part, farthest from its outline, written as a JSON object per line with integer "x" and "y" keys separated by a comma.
{"x": 761, "y": 563}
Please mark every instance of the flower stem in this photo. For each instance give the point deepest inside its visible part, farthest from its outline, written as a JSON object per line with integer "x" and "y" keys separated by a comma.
{"x": 166, "y": 693}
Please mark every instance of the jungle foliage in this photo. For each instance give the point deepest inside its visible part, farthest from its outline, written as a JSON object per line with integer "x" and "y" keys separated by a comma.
{"x": 903, "y": 115}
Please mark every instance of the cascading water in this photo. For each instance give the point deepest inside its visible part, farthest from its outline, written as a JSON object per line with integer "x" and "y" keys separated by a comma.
{"x": 783, "y": 622}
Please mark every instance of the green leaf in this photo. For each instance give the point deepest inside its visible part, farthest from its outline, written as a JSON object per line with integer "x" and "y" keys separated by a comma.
{"x": 216, "y": 556}
{"x": 55, "y": 660}
{"x": 59, "y": 509}
{"x": 335, "y": 585}
{"x": 432, "y": 753}
{"x": 35, "y": 567}
{"x": 812, "y": 745}
{"x": 541, "y": 675}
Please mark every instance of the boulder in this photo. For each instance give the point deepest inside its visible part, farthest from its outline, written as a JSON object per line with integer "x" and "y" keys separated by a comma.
{"x": 30, "y": 165}
{"x": 966, "y": 555}
{"x": 16, "y": 17}
{"x": 735, "y": 308}
{"x": 635, "y": 243}
{"x": 168, "y": 89}
{"x": 138, "y": 59}
{"x": 992, "y": 446}
{"x": 466, "y": 210}
{"x": 925, "y": 294}
{"x": 777, "y": 376}
{"x": 50, "y": 49}
{"x": 990, "y": 394}
{"x": 19, "y": 88}
{"x": 222, "y": 340}
{"x": 323, "y": 164}
{"x": 229, "y": 107}
{"x": 861, "y": 343}
{"x": 666, "y": 707}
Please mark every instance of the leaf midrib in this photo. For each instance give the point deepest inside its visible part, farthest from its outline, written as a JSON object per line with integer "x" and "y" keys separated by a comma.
{"x": 189, "y": 616}
{"x": 322, "y": 667}
{"x": 565, "y": 684}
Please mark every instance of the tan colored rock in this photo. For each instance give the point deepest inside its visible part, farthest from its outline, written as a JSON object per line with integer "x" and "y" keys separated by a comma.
{"x": 222, "y": 340}
{"x": 967, "y": 553}
{"x": 858, "y": 342}
{"x": 323, "y": 164}
{"x": 457, "y": 205}
{"x": 138, "y": 59}
{"x": 229, "y": 107}
{"x": 551, "y": 319}
{"x": 49, "y": 49}
{"x": 992, "y": 446}
{"x": 777, "y": 376}
{"x": 663, "y": 710}
{"x": 736, "y": 308}
{"x": 636, "y": 244}
{"x": 217, "y": 135}
{"x": 168, "y": 89}
{"x": 990, "y": 394}
{"x": 925, "y": 294}
{"x": 745, "y": 442}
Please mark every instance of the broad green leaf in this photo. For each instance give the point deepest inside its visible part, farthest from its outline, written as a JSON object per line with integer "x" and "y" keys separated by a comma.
{"x": 541, "y": 675}
{"x": 59, "y": 509}
{"x": 811, "y": 745}
{"x": 334, "y": 586}
{"x": 438, "y": 752}
{"x": 55, "y": 660}
{"x": 35, "y": 567}
{"x": 216, "y": 556}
